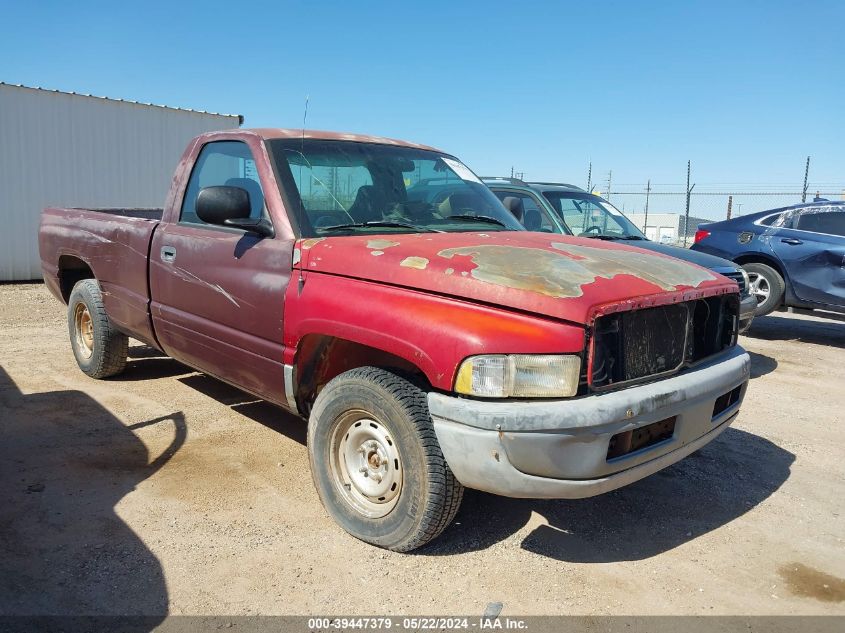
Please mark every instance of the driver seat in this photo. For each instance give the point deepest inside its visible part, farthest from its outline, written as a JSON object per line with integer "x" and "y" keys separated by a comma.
{"x": 515, "y": 206}
{"x": 370, "y": 204}
{"x": 458, "y": 202}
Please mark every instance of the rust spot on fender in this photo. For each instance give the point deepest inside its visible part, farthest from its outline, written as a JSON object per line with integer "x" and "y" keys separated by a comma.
{"x": 563, "y": 274}
{"x": 381, "y": 244}
{"x": 415, "y": 262}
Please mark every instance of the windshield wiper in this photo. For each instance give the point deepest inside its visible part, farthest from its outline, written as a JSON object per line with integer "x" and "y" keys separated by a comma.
{"x": 386, "y": 223}
{"x": 479, "y": 218}
{"x": 606, "y": 236}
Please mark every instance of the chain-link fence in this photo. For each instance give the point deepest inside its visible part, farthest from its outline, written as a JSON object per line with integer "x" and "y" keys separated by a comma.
{"x": 659, "y": 210}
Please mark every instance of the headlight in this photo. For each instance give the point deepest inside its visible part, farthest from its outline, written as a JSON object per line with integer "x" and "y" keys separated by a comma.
{"x": 519, "y": 376}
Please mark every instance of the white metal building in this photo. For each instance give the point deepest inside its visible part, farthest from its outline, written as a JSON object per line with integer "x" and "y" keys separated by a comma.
{"x": 666, "y": 227}
{"x": 66, "y": 149}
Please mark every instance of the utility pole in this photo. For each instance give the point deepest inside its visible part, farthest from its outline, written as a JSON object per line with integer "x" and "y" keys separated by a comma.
{"x": 730, "y": 204}
{"x": 738, "y": 209}
{"x": 609, "y": 176}
{"x": 590, "y": 176}
{"x": 647, "y": 191}
{"x": 806, "y": 175}
{"x": 686, "y": 216}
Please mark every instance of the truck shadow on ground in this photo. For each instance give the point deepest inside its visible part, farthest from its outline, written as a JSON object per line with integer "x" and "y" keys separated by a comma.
{"x": 789, "y": 328}
{"x": 267, "y": 414}
{"x": 65, "y": 462}
{"x": 761, "y": 364}
{"x": 701, "y": 493}
{"x": 147, "y": 362}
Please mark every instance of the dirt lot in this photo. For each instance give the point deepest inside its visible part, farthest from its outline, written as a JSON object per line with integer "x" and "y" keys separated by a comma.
{"x": 167, "y": 491}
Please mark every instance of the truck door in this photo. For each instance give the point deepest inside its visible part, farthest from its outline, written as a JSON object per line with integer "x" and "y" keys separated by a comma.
{"x": 812, "y": 249}
{"x": 218, "y": 292}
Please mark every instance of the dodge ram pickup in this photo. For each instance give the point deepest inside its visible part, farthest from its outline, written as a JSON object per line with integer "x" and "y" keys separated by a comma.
{"x": 379, "y": 290}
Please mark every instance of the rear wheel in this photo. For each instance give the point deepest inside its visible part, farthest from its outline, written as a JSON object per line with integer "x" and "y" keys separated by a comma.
{"x": 100, "y": 350}
{"x": 376, "y": 462}
{"x": 767, "y": 286}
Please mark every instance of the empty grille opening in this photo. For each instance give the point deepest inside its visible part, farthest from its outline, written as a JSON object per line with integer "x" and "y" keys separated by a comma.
{"x": 637, "y": 344}
{"x": 714, "y": 326}
{"x": 654, "y": 340}
{"x": 629, "y": 441}
{"x": 726, "y": 401}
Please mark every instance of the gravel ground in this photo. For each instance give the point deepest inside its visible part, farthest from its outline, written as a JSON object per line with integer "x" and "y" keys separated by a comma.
{"x": 165, "y": 491}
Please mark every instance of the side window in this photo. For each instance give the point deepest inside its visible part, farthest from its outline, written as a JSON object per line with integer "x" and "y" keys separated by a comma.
{"x": 227, "y": 163}
{"x": 831, "y": 222}
{"x": 535, "y": 218}
{"x": 772, "y": 220}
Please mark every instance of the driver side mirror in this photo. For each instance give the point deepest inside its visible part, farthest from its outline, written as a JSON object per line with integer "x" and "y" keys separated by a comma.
{"x": 230, "y": 206}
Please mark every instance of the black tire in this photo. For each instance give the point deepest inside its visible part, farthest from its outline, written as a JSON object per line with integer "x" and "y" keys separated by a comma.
{"x": 395, "y": 413}
{"x": 100, "y": 350}
{"x": 773, "y": 282}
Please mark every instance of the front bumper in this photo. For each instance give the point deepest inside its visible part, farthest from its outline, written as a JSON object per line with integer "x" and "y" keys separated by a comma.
{"x": 747, "y": 308}
{"x": 558, "y": 449}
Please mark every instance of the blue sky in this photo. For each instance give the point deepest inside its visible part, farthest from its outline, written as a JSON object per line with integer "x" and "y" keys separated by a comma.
{"x": 746, "y": 90}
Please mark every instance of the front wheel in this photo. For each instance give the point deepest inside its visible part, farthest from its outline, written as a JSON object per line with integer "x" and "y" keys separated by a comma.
{"x": 376, "y": 463}
{"x": 767, "y": 286}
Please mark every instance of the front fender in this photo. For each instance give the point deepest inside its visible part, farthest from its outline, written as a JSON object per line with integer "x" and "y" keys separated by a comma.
{"x": 432, "y": 332}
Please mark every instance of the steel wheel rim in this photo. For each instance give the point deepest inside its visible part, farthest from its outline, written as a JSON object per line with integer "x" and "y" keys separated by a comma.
{"x": 759, "y": 287}
{"x": 83, "y": 330}
{"x": 365, "y": 464}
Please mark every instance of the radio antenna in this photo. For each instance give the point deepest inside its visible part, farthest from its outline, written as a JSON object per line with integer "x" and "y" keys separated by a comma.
{"x": 301, "y": 210}
{"x": 302, "y": 154}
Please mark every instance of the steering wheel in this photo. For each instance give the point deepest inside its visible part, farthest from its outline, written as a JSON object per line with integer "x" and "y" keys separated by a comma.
{"x": 591, "y": 229}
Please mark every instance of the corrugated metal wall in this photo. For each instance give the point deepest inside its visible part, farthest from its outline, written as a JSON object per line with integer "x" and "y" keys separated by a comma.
{"x": 60, "y": 149}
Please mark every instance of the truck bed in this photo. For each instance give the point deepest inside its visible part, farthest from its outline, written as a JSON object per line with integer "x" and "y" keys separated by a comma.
{"x": 145, "y": 213}
{"x": 109, "y": 244}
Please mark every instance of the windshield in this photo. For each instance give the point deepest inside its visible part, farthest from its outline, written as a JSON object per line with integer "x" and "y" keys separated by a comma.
{"x": 344, "y": 187}
{"x": 588, "y": 215}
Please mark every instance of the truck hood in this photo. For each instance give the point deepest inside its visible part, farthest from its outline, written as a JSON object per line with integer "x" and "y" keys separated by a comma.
{"x": 568, "y": 278}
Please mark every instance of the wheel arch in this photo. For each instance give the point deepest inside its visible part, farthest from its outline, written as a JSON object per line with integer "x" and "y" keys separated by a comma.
{"x": 759, "y": 258}
{"x": 72, "y": 270}
{"x": 321, "y": 357}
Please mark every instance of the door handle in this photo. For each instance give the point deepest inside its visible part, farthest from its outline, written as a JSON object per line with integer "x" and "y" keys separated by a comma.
{"x": 791, "y": 241}
{"x": 168, "y": 254}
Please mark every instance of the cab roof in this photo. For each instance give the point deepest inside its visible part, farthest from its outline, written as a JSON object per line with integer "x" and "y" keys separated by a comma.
{"x": 289, "y": 133}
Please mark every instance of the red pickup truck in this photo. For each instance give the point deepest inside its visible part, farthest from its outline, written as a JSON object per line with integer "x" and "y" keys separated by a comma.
{"x": 380, "y": 290}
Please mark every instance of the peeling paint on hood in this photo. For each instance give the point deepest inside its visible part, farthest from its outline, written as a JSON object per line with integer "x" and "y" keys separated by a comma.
{"x": 563, "y": 277}
{"x": 380, "y": 245}
{"x": 564, "y": 273}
